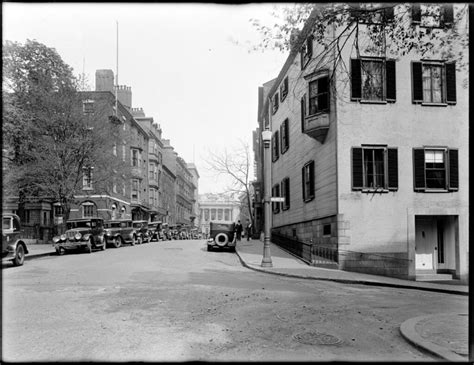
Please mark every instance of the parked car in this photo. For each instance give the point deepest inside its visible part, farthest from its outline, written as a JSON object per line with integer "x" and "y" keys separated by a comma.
{"x": 156, "y": 231}
{"x": 221, "y": 235}
{"x": 81, "y": 234}
{"x": 141, "y": 231}
{"x": 120, "y": 231}
{"x": 13, "y": 247}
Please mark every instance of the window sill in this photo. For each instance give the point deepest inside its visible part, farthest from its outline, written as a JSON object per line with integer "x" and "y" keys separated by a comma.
{"x": 434, "y": 104}
{"x": 380, "y": 190}
{"x": 373, "y": 101}
{"x": 308, "y": 199}
{"x": 427, "y": 190}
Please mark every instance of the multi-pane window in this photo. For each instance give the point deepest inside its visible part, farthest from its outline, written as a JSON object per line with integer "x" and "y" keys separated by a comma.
{"x": 276, "y": 193}
{"x": 308, "y": 181}
{"x": 319, "y": 95}
{"x": 87, "y": 178}
{"x": 374, "y": 167}
{"x": 87, "y": 210}
{"x": 88, "y": 106}
{"x": 285, "y": 138}
{"x": 284, "y": 89}
{"x": 135, "y": 158}
{"x": 275, "y": 146}
{"x": 432, "y": 15}
{"x": 285, "y": 192}
{"x": 275, "y": 103}
{"x": 58, "y": 210}
{"x": 373, "y": 79}
{"x": 434, "y": 82}
{"x": 135, "y": 189}
{"x": 435, "y": 169}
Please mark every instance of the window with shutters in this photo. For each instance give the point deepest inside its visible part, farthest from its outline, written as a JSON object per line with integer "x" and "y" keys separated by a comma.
{"x": 303, "y": 111}
{"x": 308, "y": 181}
{"x": 275, "y": 103}
{"x": 374, "y": 168}
{"x": 135, "y": 190}
{"x": 319, "y": 95}
{"x": 276, "y": 193}
{"x": 373, "y": 80}
{"x": 284, "y": 89}
{"x": 435, "y": 169}
{"x": 433, "y": 83}
{"x": 285, "y": 139}
{"x": 432, "y": 15}
{"x": 371, "y": 13}
{"x": 285, "y": 192}
{"x": 275, "y": 146}
{"x": 306, "y": 51}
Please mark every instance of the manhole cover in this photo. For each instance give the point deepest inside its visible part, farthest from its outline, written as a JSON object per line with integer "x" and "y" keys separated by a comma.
{"x": 317, "y": 338}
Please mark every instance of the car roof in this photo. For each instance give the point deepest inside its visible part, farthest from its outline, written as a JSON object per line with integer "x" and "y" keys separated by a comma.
{"x": 119, "y": 220}
{"x": 85, "y": 219}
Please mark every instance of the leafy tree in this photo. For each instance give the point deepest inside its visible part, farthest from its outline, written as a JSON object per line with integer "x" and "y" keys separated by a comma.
{"x": 236, "y": 165}
{"x": 368, "y": 27}
{"x": 49, "y": 142}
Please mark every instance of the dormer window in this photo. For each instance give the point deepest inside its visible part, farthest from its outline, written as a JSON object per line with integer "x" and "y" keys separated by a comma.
{"x": 432, "y": 15}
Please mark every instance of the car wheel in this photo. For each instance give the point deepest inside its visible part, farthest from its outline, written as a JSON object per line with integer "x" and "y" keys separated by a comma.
{"x": 104, "y": 245}
{"x": 61, "y": 251}
{"x": 221, "y": 239}
{"x": 209, "y": 248}
{"x": 134, "y": 240}
{"x": 139, "y": 240}
{"x": 89, "y": 246}
{"x": 118, "y": 242}
{"x": 19, "y": 256}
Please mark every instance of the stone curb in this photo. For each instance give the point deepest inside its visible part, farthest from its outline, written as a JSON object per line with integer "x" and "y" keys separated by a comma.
{"x": 348, "y": 281}
{"x": 407, "y": 329}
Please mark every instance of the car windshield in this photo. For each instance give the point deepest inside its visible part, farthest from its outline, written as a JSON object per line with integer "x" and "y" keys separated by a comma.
{"x": 113, "y": 225}
{"x": 80, "y": 224}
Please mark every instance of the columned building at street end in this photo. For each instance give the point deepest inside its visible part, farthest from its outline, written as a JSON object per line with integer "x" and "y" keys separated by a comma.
{"x": 217, "y": 208}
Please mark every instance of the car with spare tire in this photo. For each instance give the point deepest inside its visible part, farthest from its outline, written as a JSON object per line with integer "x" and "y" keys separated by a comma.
{"x": 81, "y": 234}
{"x": 222, "y": 235}
{"x": 14, "y": 247}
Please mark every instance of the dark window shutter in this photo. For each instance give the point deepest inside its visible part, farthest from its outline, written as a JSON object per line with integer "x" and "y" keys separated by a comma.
{"x": 451, "y": 83}
{"x": 287, "y": 134}
{"x": 357, "y": 172}
{"x": 303, "y": 112}
{"x": 277, "y": 147}
{"x": 417, "y": 82}
{"x": 310, "y": 46}
{"x": 287, "y": 192}
{"x": 419, "y": 168}
{"x": 448, "y": 16}
{"x": 311, "y": 178}
{"x": 392, "y": 160}
{"x": 415, "y": 13}
{"x": 303, "y": 183}
{"x": 282, "y": 137}
{"x": 356, "y": 79}
{"x": 453, "y": 169}
{"x": 391, "y": 80}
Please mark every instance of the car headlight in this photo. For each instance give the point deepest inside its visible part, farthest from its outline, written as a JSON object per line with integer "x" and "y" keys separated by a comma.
{"x": 78, "y": 236}
{"x": 56, "y": 239}
{"x": 63, "y": 237}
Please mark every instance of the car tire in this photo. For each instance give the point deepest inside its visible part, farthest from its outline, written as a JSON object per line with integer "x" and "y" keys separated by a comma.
{"x": 104, "y": 245}
{"x": 139, "y": 240}
{"x": 209, "y": 248}
{"x": 134, "y": 240}
{"x": 89, "y": 246}
{"x": 19, "y": 256}
{"x": 118, "y": 242}
{"x": 61, "y": 251}
{"x": 218, "y": 239}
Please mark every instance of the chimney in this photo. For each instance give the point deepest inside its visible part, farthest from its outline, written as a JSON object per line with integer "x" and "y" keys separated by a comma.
{"x": 104, "y": 80}
{"x": 124, "y": 94}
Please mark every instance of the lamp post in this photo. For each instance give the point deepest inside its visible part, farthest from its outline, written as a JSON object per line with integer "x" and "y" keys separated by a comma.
{"x": 266, "y": 137}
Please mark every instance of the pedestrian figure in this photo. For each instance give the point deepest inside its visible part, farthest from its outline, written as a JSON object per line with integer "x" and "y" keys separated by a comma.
{"x": 238, "y": 230}
{"x": 248, "y": 229}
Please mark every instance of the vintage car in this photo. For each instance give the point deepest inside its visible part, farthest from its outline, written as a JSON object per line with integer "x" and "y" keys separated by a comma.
{"x": 141, "y": 231}
{"x": 120, "y": 231}
{"x": 82, "y": 233}
{"x": 13, "y": 247}
{"x": 155, "y": 230}
{"x": 221, "y": 235}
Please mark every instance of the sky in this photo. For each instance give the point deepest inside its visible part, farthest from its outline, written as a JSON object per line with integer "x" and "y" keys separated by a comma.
{"x": 182, "y": 61}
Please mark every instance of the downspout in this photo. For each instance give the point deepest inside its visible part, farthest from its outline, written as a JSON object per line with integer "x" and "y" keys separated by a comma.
{"x": 334, "y": 109}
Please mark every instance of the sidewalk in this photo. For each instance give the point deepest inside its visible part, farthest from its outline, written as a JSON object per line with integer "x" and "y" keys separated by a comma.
{"x": 444, "y": 335}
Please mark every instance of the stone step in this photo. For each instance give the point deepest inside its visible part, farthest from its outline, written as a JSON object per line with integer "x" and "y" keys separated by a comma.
{"x": 433, "y": 277}
{"x": 325, "y": 264}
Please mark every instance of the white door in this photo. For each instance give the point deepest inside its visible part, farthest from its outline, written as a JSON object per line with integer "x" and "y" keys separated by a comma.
{"x": 425, "y": 243}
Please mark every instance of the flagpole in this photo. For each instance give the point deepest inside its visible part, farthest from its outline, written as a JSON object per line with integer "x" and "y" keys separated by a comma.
{"x": 116, "y": 74}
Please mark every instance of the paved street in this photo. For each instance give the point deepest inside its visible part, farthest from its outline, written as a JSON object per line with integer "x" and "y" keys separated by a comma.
{"x": 174, "y": 301}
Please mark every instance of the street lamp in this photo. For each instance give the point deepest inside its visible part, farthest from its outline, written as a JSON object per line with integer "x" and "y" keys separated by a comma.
{"x": 266, "y": 137}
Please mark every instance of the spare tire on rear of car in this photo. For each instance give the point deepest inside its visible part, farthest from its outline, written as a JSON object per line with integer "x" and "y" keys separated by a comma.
{"x": 221, "y": 239}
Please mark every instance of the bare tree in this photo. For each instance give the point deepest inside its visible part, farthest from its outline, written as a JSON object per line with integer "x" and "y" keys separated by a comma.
{"x": 235, "y": 164}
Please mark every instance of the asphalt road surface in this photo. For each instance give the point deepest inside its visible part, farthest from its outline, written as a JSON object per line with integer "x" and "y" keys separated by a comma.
{"x": 174, "y": 301}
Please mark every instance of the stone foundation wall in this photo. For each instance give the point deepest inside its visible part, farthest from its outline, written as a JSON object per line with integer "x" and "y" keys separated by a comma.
{"x": 377, "y": 263}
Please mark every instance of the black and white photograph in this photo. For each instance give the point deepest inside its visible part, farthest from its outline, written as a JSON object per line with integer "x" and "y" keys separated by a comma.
{"x": 222, "y": 182}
